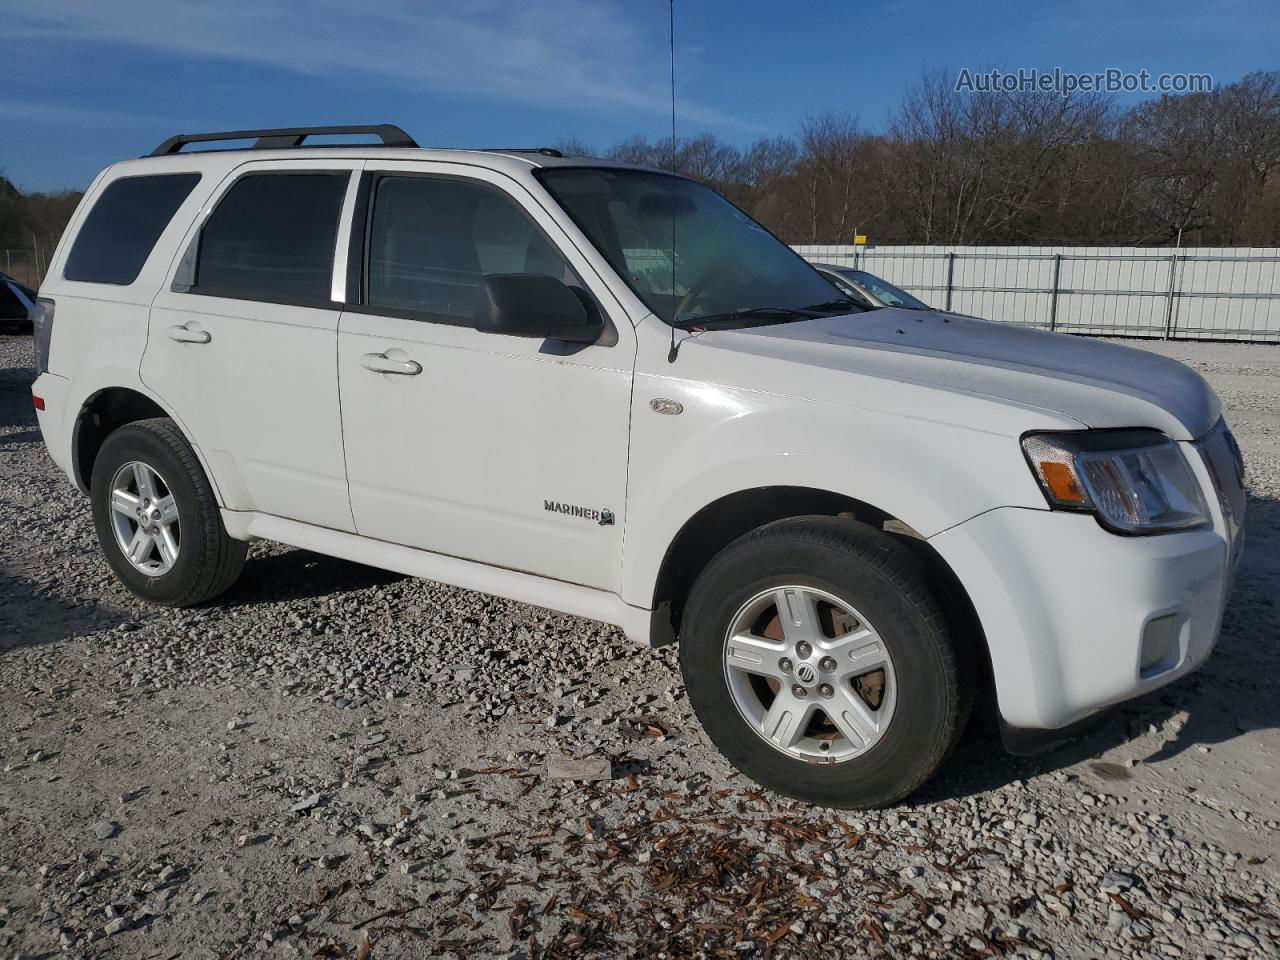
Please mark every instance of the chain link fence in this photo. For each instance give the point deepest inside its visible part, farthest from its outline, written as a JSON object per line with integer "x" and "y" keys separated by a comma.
{"x": 1207, "y": 293}
{"x": 26, "y": 266}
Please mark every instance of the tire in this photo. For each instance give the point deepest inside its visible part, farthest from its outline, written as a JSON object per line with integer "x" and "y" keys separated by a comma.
{"x": 207, "y": 561}
{"x": 845, "y": 568}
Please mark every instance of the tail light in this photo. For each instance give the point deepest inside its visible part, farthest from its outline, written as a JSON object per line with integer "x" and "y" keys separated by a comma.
{"x": 42, "y": 328}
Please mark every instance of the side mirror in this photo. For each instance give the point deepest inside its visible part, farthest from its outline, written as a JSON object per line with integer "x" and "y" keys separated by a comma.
{"x": 534, "y": 305}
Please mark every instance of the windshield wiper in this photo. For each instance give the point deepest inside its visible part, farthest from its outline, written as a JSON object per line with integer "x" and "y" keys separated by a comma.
{"x": 746, "y": 313}
{"x": 833, "y": 306}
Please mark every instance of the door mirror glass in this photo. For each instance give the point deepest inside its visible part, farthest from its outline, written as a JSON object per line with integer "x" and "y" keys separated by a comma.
{"x": 534, "y": 305}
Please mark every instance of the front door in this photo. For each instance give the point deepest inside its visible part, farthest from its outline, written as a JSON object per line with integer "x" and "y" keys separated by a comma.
{"x": 505, "y": 450}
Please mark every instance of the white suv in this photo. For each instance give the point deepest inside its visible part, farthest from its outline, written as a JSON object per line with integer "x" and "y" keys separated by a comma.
{"x": 605, "y": 390}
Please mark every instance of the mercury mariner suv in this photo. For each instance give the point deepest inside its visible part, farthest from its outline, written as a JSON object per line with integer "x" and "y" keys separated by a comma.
{"x": 603, "y": 389}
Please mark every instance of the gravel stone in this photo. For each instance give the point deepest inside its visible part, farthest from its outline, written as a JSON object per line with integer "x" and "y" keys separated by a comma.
{"x": 116, "y": 926}
{"x": 306, "y": 803}
{"x": 589, "y": 768}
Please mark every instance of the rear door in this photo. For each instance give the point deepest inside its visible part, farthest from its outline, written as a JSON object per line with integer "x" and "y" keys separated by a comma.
{"x": 242, "y": 340}
{"x": 510, "y": 451}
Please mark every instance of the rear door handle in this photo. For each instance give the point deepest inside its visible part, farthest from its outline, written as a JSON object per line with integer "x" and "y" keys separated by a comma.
{"x": 381, "y": 363}
{"x": 189, "y": 334}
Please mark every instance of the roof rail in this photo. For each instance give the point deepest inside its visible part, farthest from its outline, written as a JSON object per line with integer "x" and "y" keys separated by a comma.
{"x": 390, "y": 134}
{"x": 545, "y": 151}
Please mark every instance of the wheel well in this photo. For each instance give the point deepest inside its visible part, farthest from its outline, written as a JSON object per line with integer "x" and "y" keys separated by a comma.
{"x": 718, "y": 524}
{"x": 105, "y": 411}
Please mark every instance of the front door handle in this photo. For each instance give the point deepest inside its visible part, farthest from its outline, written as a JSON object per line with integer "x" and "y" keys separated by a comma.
{"x": 189, "y": 334}
{"x": 381, "y": 363}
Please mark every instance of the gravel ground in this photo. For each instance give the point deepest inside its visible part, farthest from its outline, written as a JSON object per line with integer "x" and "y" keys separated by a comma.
{"x": 332, "y": 761}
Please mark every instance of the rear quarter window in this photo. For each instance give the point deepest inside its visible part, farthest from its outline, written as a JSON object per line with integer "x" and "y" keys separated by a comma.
{"x": 124, "y": 225}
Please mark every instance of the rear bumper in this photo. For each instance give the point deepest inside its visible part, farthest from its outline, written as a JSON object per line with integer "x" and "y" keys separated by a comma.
{"x": 1077, "y": 618}
{"x": 52, "y": 389}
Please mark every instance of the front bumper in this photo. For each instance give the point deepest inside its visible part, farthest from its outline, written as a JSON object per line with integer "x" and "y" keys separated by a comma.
{"x": 1077, "y": 618}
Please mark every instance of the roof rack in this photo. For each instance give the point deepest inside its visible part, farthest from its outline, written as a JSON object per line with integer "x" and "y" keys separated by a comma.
{"x": 388, "y": 133}
{"x": 545, "y": 151}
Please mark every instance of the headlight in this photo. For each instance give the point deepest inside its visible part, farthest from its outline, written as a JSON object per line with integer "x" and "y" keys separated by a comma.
{"x": 1134, "y": 481}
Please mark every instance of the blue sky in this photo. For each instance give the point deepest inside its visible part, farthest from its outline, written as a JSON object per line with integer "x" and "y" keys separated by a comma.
{"x": 88, "y": 82}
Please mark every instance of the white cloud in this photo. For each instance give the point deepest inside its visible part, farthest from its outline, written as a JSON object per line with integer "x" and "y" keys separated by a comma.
{"x": 64, "y": 113}
{"x": 566, "y": 53}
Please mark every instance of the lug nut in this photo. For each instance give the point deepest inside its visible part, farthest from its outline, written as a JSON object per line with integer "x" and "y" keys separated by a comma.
{"x": 799, "y": 691}
{"x": 803, "y": 649}
{"x": 785, "y": 664}
{"x": 828, "y": 664}
{"x": 826, "y": 690}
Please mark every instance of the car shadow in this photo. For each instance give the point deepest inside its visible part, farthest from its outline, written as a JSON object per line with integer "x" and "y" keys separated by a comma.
{"x": 30, "y": 616}
{"x": 285, "y": 574}
{"x": 15, "y": 397}
{"x": 1235, "y": 692}
{"x": 22, "y": 436}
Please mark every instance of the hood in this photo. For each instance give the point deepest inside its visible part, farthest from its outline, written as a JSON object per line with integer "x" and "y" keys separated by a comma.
{"x": 1096, "y": 383}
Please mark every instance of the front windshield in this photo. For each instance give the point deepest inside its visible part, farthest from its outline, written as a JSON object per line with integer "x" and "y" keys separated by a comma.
{"x": 686, "y": 251}
{"x": 884, "y": 291}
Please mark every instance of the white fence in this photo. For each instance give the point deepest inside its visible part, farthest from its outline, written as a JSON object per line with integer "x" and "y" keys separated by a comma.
{"x": 1195, "y": 293}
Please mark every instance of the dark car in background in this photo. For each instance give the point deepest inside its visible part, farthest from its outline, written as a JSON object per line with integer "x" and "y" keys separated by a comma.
{"x": 17, "y": 302}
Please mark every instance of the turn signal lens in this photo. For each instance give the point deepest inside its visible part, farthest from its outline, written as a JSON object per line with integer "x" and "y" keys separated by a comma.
{"x": 1054, "y": 464}
{"x": 1061, "y": 482}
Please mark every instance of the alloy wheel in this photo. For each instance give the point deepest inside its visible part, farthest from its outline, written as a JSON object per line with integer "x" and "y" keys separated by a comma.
{"x": 144, "y": 517}
{"x": 809, "y": 674}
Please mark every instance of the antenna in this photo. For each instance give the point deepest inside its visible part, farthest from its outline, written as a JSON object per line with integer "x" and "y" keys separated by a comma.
{"x": 671, "y": 34}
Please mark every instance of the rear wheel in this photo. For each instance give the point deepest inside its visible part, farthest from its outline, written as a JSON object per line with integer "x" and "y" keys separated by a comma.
{"x": 820, "y": 664}
{"x": 157, "y": 518}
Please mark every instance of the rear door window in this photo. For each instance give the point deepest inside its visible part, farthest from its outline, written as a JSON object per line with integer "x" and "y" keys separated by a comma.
{"x": 124, "y": 225}
{"x": 272, "y": 238}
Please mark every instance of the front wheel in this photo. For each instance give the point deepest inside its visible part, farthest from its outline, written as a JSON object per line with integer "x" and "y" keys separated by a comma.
{"x": 157, "y": 517}
{"x": 820, "y": 664}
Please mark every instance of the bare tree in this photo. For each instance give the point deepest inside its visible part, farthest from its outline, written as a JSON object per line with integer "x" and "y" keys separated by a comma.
{"x": 1251, "y": 118}
{"x": 573, "y": 147}
{"x": 987, "y": 167}
{"x": 827, "y": 173}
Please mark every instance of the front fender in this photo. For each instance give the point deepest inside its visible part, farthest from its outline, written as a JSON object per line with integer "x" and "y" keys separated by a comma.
{"x": 929, "y": 475}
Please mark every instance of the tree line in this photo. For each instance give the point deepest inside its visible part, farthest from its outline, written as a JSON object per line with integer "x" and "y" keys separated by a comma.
{"x": 959, "y": 168}
{"x": 30, "y": 225}
{"x": 1001, "y": 168}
